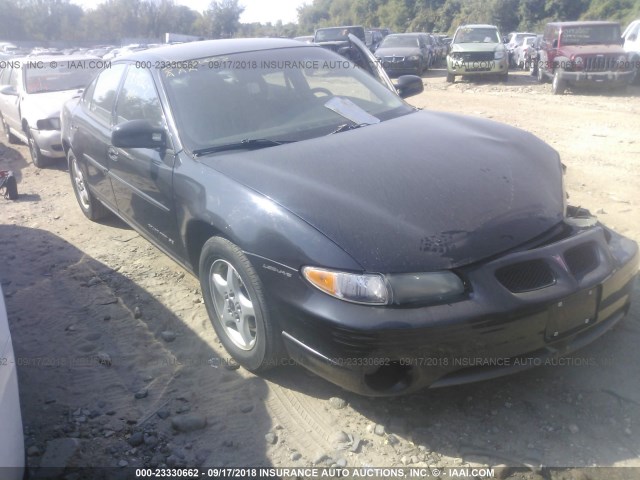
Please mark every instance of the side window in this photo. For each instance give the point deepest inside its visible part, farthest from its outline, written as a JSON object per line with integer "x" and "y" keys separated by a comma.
{"x": 4, "y": 76}
{"x": 138, "y": 99}
{"x": 104, "y": 93}
{"x": 88, "y": 92}
{"x": 15, "y": 76}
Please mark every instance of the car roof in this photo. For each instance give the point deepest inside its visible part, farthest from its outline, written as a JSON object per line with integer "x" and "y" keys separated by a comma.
{"x": 478, "y": 25}
{"x": 409, "y": 34}
{"x": 56, "y": 58}
{"x": 583, "y": 23}
{"x": 213, "y": 48}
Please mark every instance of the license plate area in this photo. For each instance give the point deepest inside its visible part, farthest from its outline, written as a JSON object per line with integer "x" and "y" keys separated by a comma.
{"x": 572, "y": 313}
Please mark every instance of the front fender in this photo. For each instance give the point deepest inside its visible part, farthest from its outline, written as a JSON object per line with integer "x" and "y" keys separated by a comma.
{"x": 258, "y": 225}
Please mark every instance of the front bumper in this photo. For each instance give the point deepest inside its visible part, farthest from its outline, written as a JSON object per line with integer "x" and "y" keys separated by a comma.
{"x": 401, "y": 67}
{"x": 477, "y": 67}
{"x": 49, "y": 142}
{"x": 615, "y": 79}
{"x": 381, "y": 351}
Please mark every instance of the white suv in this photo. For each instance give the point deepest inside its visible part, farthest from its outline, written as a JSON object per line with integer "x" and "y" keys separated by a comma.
{"x": 631, "y": 37}
{"x": 32, "y": 92}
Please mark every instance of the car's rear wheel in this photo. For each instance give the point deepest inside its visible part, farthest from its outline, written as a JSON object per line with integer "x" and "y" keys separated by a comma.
{"x": 451, "y": 78}
{"x": 92, "y": 208}
{"x": 11, "y": 138}
{"x": 234, "y": 298}
{"x": 558, "y": 85}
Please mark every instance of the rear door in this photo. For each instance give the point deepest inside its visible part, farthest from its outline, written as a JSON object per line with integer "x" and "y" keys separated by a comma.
{"x": 142, "y": 177}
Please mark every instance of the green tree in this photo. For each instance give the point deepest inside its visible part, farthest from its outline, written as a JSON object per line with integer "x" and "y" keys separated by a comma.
{"x": 224, "y": 17}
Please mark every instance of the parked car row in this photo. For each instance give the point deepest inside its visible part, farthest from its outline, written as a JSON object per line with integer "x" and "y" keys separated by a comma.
{"x": 569, "y": 54}
{"x": 399, "y": 53}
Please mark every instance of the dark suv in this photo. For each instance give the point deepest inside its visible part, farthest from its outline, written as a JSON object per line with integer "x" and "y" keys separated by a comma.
{"x": 583, "y": 53}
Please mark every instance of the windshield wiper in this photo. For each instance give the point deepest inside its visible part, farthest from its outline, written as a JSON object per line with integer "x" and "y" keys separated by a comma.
{"x": 348, "y": 126}
{"x": 246, "y": 144}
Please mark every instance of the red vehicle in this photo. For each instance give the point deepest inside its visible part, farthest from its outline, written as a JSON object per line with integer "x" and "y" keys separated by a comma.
{"x": 583, "y": 53}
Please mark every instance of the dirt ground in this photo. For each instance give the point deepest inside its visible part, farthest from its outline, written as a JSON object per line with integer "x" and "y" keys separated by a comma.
{"x": 119, "y": 366}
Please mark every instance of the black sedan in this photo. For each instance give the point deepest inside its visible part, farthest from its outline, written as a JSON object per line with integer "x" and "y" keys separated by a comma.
{"x": 404, "y": 53}
{"x": 382, "y": 247}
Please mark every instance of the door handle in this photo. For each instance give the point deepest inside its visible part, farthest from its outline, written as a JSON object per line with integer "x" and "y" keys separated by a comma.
{"x": 112, "y": 153}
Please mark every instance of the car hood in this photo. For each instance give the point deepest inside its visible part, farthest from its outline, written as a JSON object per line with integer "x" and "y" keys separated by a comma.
{"x": 592, "y": 50}
{"x": 476, "y": 47}
{"x": 39, "y": 106}
{"x": 425, "y": 191}
{"x": 397, "y": 51}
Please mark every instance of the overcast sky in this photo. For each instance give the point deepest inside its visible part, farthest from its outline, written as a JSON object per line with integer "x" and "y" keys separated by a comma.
{"x": 255, "y": 10}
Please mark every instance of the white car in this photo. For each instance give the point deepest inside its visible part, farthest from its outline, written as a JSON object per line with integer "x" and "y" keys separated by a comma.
{"x": 11, "y": 439}
{"x": 631, "y": 37}
{"x": 32, "y": 92}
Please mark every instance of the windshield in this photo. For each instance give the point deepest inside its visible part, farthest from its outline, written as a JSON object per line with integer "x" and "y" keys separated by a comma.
{"x": 72, "y": 75}
{"x": 477, "y": 35}
{"x": 399, "y": 41}
{"x": 337, "y": 34}
{"x": 280, "y": 95}
{"x": 593, "y": 34}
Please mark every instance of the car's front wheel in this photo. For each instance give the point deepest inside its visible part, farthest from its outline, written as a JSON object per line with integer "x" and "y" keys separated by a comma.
{"x": 451, "y": 78}
{"x": 38, "y": 159}
{"x": 558, "y": 85}
{"x": 92, "y": 208}
{"x": 234, "y": 298}
{"x": 542, "y": 78}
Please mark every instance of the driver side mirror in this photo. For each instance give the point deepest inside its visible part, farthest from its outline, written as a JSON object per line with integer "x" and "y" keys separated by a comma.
{"x": 555, "y": 43}
{"x": 409, "y": 85}
{"x": 8, "y": 90}
{"x": 138, "y": 134}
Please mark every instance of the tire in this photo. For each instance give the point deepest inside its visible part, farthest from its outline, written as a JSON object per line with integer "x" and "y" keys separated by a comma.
{"x": 234, "y": 298}
{"x": 451, "y": 78}
{"x": 504, "y": 77}
{"x": 38, "y": 159}
{"x": 11, "y": 138}
{"x": 542, "y": 78}
{"x": 92, "y": 208}
{"x": 558, "y": 85}
{"x": 635, "y": 79}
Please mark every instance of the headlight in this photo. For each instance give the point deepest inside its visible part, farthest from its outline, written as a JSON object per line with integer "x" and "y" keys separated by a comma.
{"x": 414, "y": 58}
{"x": 352, "y": 287}
{"x": 428, "y": 287}
{"x": 499, "y": 55}
{"x": 48, "y": 124}
{"x": 578, "y": 62}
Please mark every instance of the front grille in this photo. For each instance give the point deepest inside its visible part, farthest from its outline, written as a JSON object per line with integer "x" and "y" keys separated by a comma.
{"x": 526, "y": 276}
{"x": 477, "y": 56}
{"x": 600, "y": 63}
{"x": 582, "y": 259}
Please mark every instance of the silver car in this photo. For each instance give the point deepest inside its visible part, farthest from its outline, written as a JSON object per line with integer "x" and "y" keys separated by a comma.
{"x": 32, "y": 92}
{"x": 11, "y": 439}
